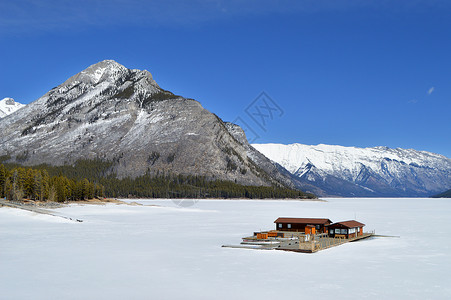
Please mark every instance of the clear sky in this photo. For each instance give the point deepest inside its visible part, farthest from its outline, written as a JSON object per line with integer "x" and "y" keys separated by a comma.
{"x": 352, "y": 72}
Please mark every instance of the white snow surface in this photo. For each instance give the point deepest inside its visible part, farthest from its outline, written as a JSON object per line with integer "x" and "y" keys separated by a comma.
{"x": 172, "y": 252}
{"x": 8, "y": 106}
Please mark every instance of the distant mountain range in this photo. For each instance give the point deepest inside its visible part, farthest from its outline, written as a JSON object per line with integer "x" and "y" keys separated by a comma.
{"x": 111, "y": 113}
{"x": 8, "y": 106}
{"x": 330, "y": 170}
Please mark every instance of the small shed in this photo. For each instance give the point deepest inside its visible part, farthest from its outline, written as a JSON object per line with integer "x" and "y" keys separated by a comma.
{"x": 346, "y": 229}
{"x": 307, "y": 225}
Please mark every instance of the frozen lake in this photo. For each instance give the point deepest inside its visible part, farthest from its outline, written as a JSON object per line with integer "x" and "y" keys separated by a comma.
{"x": 172, "y": 252}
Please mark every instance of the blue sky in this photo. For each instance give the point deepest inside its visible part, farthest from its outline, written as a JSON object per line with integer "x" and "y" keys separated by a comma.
{"x": 351, "y": 72}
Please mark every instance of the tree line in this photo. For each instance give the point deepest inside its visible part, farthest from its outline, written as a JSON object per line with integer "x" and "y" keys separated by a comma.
{"x": 36, "y": 184}
{"x": 191, "y": 186}
{"x": 87, "y": 178}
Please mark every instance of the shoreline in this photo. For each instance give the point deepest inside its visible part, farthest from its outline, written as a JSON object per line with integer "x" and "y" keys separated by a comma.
{"x": 130, "y": 201}
{"x": 55, "y": 205}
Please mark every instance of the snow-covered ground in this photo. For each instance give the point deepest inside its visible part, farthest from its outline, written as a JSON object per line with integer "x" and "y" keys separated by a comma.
{"x": 171, "y": 252}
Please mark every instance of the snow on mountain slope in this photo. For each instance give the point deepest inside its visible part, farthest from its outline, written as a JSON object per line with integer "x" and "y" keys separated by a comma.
{"x": 379, "y": 170}
{"x": 8, "y": 106}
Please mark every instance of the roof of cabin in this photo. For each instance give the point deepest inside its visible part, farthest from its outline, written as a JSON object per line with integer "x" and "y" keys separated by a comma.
{"x": 348, "y": 224}
{"x": 303, "y": 221}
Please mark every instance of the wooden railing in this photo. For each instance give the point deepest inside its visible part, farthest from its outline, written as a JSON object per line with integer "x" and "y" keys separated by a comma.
{"x": 323, "y": 241}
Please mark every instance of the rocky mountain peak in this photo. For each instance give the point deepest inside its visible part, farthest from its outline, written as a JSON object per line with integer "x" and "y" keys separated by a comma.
{"x": 104, "y": 89}
{"x": 108, "y": 71}
{"x": 9, "y": 101}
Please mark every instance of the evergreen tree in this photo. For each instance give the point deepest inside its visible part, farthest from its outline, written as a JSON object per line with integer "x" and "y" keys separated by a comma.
{"x": 28, "y": 183}
{"x": 45, "y": 184}
{"x": 3, "y": 176}
{"x": 8, "y": 189}
{"x": 37, "y": 186}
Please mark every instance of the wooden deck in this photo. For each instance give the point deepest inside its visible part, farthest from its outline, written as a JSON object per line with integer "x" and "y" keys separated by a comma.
{"x": 321, "y": 242}
{"x": 296, "y": 241}
{"x": 312, "y": 244}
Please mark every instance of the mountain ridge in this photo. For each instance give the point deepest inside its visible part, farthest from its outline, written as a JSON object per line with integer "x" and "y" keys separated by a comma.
{"x": 373, "y": 171}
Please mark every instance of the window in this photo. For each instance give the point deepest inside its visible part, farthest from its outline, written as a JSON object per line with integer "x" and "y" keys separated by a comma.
{"x": 331, "y": 231}
{"x": 337, "y": 231}
{"x": 280, "y": 225}
{"x": 288, "y": 226}
{"x": 344, "y": 231}
{"x": 318, "y": 227}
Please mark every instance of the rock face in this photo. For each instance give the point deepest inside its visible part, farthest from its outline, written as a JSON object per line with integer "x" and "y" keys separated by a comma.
{"x": 112, "y": 113}
{"x": 8, "y": 106}
{"x": 349, "y": 171}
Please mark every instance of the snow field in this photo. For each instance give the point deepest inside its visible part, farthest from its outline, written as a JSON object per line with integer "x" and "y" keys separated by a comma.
{"x": 171, "y": 252}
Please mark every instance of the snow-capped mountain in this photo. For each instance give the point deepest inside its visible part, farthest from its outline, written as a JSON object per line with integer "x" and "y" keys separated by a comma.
{"x": 8, "y": 106}
{"x": 120, "y": 115}
{"x": 351, "y": 171}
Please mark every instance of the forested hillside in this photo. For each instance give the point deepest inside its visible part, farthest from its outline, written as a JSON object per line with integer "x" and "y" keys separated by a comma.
{"x": 36, "y": 184}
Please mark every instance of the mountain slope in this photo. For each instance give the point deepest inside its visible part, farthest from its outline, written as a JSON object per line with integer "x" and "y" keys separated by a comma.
{"x": 446, "y": 194}
{"x": 351, "y": 171}
{"x": 273, "y": 169}
{"x": 112, "y": 113}
{"x": 8, "y": 106}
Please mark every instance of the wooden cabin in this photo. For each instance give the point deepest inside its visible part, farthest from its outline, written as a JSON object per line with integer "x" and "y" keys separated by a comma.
{"x": 346, "y": 229}
{"x": 307, "y": 225}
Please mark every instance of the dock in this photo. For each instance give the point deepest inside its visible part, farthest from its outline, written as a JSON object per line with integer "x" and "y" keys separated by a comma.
{"x": 322, "y": 242}
{"x": 295, "y": 241}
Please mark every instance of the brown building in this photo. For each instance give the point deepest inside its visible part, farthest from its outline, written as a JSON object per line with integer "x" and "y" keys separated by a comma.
{"x": 307, "y": 225}
{"x": 346, "y": 229}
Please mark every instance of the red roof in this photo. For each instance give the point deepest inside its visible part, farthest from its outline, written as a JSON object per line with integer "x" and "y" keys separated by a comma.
{"x": 303, "y": 221}
{"x": 349, "y": 224}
